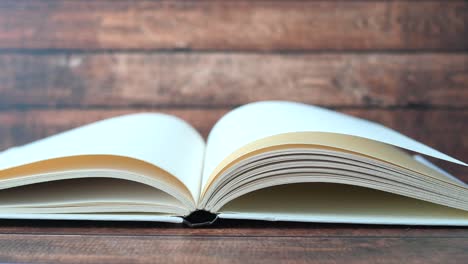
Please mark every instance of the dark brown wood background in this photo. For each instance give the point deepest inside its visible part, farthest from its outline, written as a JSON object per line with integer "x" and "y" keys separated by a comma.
{"x": 68, "y": 63}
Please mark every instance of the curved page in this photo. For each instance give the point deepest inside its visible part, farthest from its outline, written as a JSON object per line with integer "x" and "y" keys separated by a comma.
{"x": 263, "y": 119}
{"x": 339, "y": 203}
{"x": 162, "y": 140}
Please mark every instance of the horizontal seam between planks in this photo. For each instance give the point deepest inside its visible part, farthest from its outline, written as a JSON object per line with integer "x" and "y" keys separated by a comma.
{"x": 229, "y": 236}
{"x": 64, "y": 51}
{"x": 32, "y": 107}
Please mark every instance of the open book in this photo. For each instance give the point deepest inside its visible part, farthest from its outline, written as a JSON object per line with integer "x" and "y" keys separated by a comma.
{"x": 267, "y": 160}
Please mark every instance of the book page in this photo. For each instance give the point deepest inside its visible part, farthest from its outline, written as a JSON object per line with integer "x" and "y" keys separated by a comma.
{"x": 339, "y": 203}
{"x": 162, "y": 140}
{"x": 263, "y": 119}
{"x": 102, "y": 195}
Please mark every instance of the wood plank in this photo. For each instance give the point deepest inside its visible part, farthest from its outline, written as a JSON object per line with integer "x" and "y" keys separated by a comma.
{"x": 19, "y": 127}
{"x": 198, "y": 249}
{"x": 225, "y": 228}
{"x": 216, "y": 79}
{"x": 443, "y": 129}
{"x": 219, "y": 25}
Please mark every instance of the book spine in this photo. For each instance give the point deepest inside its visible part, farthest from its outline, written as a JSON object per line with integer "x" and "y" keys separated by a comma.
{"x": 200, "y": 218}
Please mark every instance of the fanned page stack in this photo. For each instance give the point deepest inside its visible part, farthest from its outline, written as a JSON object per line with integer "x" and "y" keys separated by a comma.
{"x": 278, "y": 161}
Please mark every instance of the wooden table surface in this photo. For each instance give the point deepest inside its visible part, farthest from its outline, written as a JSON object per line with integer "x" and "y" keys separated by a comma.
{"x": 228, "y": 241}
{"x": 68, "y": 63}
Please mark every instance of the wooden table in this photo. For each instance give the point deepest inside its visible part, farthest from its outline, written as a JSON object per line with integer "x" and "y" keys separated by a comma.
{"x": 68, "y": 63}
{"x": 228, "y": 241}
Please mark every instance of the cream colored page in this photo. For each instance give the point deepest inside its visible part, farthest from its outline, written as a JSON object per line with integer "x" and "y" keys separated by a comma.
{"x": 165, "y": 141}
{"x": 70, "y": 192}
{"x": 169, "y": 218}
{"x": 262, "y": 119}
{"x": 339, "y": 203}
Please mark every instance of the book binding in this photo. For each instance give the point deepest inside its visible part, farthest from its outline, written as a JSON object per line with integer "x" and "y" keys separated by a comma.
{"x": 200, "y": 218}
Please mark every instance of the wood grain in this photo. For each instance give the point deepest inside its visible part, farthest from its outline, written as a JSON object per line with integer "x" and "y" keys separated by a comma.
{"x": 213, "y": 80}
{"x": 225, "y": 228}
{"x": 68, "y": 63}
{"x": 201, "y": 249}
{"x": 443, "y": 129}
{"x": 19, "y": 127}
{"x": 220, "y": 25}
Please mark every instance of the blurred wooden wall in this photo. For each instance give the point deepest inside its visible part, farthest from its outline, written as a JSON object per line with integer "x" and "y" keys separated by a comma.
{"x": 401, "y": 63}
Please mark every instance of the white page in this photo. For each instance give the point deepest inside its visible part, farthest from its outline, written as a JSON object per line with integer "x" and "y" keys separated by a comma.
{"x": 262, "y": 119}
{"x": 431, "y": 165}
{"x": 339, "y": 203}
{"x": 165, "y": 141}
{"x": 348, "y": 219}
{"x": 97, "y": 217}
{"x": 83, "y": 191}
